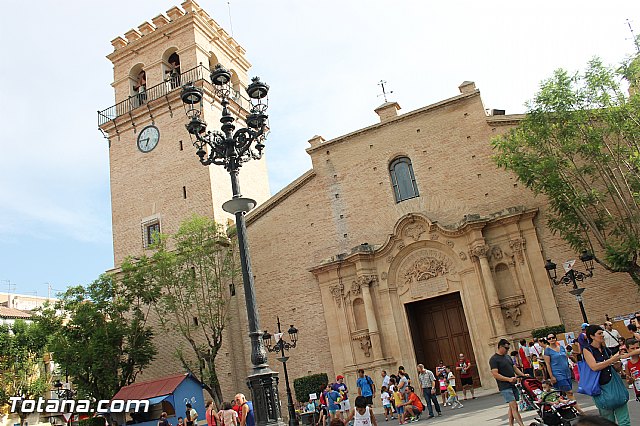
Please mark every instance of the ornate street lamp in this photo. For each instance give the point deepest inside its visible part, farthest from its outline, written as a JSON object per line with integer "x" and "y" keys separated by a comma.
{"x": 230, "y": 148}
{"x": 572, "y": 276}
{"x": 63, "y": 390}
{"x": 280, "y": 346}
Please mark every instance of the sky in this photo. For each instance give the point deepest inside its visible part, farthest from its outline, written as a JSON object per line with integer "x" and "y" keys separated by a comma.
{"x": 323, "y": 61}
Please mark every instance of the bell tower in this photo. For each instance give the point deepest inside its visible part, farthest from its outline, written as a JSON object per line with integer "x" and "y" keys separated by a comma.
{"x": 157, "y": 180}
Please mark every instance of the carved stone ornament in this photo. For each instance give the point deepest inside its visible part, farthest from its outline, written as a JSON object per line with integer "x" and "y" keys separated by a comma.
{"x": 480, "y": 250}
{"x": 513, "y": 313}
{"x": 389, "y": 259}
{"x": 518, "y": 246}
{"x": 365, "y": 345}
{"x": 462, "y": 255}
{"x": 496, "y": 253}
{"x": 414, "y": 231}
{"x": 431, "y": 264}
{"x": 401, "y": 245}
{"x": 512, "y": 301}
{"x": 363, "y": 339}
{"x": 450, "y": 243}
{"x": 434, "y": 236}
{"x": 511, "y": 308}
{"x": 364, "y": 280}
{"x": 337, "y": 291}
{"x": 383, "y": 276}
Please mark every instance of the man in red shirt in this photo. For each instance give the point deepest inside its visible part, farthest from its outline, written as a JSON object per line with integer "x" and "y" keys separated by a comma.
{"x": 466, "y": 378}
{"x": 527, "y": 368}
{"x": 413, "y": 406}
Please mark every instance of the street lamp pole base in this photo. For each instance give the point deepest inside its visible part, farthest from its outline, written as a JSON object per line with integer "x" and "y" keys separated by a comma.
{"x": 264, "y": 395}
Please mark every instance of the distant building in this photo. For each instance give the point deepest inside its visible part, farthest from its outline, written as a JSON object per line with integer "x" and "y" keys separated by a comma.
{"x": 9, "y": 315}
{"x": 24, "y": 302}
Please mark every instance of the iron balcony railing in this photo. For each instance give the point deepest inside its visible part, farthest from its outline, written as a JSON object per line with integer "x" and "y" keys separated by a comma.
{"x": 158, "y": 91}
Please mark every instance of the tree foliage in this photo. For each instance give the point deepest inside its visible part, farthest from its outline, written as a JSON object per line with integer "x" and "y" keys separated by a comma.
{"x": 106, "y": 340}
{"x": 542, "y": 333}
{"x": 191, "y": 272}
{"x": 22, "y": 368}
{"x": 314, "y": 383}
{"x": 579, "y": 146}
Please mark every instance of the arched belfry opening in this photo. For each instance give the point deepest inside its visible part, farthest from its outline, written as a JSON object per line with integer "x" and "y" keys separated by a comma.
{"x": 171, "y": 68}
{"x": 235, "y": 84}
{"x": 138, "y": 85}
{"x": 213, "y": 61}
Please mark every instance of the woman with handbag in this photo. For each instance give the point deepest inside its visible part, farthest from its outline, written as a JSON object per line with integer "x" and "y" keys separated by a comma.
{"x": 557, "y": 363}
{"x": 612, "y": 397}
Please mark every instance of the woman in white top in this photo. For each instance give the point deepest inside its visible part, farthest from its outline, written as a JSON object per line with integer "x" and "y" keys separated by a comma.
{"x": 362, "y": 414}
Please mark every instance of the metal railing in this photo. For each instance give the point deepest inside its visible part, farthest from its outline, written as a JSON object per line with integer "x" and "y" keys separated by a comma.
{"x": 158, "y": 91}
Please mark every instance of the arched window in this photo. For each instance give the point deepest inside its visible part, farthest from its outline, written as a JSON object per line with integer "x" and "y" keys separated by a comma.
{"x": 213, "y": 60}
{"x": 235, "y": 84}
{"x": 138, "y": 82}
{"x": 172, "y": 71}
{"x": 403, "y": 179}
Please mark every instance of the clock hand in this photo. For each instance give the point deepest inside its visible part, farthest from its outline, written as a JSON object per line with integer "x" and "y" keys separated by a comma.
{"x": 145, "y": 142}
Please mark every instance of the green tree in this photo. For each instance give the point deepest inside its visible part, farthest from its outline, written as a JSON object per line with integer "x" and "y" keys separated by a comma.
{"x": 22, "y": 372}
{"x": 106, "y": 341}
{"x": 192, "y": 272}
{"x": 579, "y": 146}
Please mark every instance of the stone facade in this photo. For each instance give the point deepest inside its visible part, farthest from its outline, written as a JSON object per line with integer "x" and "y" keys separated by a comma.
{"x": 474, "y": 230}
{"x": 333, "y": 252}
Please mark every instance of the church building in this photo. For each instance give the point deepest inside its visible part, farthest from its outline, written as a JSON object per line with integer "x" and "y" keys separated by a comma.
{"x": 403, "y": 244}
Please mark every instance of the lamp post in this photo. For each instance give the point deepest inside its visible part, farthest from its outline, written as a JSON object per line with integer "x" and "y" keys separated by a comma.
{"x": 63, "y": 390}
{"x": 572, "y": 276}
{"x": 230, "y": 148}
{"x": 280, "y": 346}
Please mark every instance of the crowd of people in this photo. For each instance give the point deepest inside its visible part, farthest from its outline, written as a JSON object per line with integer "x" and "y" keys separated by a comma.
{"x": 238, "y": 412}
{"x": 601, "y": 353}
{"x": 400, "y": 397}
{"x": 601, "y": 363}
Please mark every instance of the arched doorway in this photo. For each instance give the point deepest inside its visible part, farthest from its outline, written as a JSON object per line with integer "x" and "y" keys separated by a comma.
{"x": 439, "y": 331}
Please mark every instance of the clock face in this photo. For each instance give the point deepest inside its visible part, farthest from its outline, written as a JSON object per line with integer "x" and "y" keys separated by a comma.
{"x": 148, "y": 138}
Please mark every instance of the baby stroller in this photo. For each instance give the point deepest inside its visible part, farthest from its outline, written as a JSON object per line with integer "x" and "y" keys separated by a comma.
{"x": 549, "y": 413}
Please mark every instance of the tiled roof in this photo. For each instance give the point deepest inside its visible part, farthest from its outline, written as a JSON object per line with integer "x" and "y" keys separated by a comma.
{"x": 13, "y": 313}
{"x": 150, "y": 389}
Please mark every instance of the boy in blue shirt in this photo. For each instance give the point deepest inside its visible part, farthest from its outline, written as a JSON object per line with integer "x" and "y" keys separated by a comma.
{"x": 332, "y": 397}
{"x": 366, "y": 387}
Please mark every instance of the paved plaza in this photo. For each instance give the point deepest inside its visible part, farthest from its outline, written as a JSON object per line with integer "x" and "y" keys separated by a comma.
{"x": 491, "y": 410}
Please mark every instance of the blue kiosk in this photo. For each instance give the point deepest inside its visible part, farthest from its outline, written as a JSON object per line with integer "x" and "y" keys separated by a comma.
{"x": 169, "y": 394}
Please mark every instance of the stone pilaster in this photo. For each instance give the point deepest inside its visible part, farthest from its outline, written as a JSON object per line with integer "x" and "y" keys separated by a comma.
{"x": 480, "y": 251}
{"x": 363, "y": 283}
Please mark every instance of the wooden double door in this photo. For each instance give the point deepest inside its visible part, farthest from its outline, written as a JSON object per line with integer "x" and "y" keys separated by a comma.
{"x": 439, "y": 332}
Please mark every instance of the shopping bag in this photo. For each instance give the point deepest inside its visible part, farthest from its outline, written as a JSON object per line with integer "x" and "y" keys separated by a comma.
{"x": 612, "y": 395}
{"x": 588, "y": 384}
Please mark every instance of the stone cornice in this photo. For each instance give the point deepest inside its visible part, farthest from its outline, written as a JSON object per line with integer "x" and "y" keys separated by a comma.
{"x": 405, "y": 116}
{"x": 159, "y": 107}
{"x": 159, "y": 35}
{"x": 154, "y": 34}
{"x": 468, "y": 224}
{"x": 505, "y": 120}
